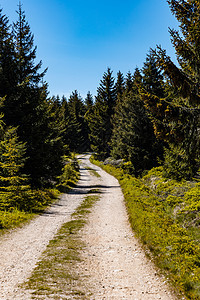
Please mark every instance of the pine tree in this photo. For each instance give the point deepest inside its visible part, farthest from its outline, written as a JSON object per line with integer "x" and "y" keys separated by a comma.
{"x": 26, "y": 108}
{"x": 12, "y": 158}
{"x": 89, "y": 101}
{"x": 128, "y": 82}
{"x": 25, "y": 51}
{"x": 137, "y": 81}
{"x": 120, "y": 85}
{"x": 133, "y": 139}
{"x": 7, "y": 58}
{"x": 100, "y": 116}
{"x": 152, "y": 79}
{"x": 176, "y": 117}
{"x": 78, "y": 139}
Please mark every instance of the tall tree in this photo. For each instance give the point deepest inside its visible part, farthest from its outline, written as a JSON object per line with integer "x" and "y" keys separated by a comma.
{"x": 8, "y": 71}
{"x": 120, "y": 85}
{"x": 89, "y": 101}
{"x": 25, "y": 50}
{"x": 78, "y": 139}
{"x": 100, "y": 116}
{"x": 26, "y": 107}
{"x": 152, "y": 78}
{"x": 128, "y": 82}
{"x": 176, "y": 117}
{"x": 133, "y": 138}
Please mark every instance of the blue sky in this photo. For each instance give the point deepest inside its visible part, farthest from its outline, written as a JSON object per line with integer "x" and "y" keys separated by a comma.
{"x": 78, "y": 39}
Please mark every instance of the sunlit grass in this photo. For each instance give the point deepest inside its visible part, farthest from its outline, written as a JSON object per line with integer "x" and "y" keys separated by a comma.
{"x": 164, "y": 214}
{"x": 56, "y": 274}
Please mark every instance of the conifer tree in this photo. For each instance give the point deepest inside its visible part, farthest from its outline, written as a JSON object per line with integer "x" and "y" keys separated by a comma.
{"x": 176, "y": 117}
{"x": 8, "y": 72}
{"x": 12, "y": 158}
{"x": 133, "y": 138}
{"x": 25, "y": 51}
{"x": 26, "y": 108}
{"x": 153, "y": 81}
{"x": 100, "y": 116}
{"x": 78, "y": 139}
{"x": 120, "y": 85}
{"x": 89, "y": 101}
{"x": 128, "y": 82}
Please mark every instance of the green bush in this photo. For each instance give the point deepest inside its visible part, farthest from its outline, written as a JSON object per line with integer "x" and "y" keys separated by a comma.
{"x": 13, "y": 218}
{"x": 178, "y": 164}
{"x": 69, "y": 176}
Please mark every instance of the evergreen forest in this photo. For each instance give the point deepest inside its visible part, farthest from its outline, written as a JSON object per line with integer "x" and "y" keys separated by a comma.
{"x": 142, "y": 121}
{"x": 147, "y": 118}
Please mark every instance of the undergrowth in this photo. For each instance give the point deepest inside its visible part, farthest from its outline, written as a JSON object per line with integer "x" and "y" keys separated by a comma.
{"x": 164, "y": 214}
{"x": 56, "y": 275}
{"x": 22, "y": 205}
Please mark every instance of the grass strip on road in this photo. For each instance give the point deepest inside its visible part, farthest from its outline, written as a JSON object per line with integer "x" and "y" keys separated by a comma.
{"x": 56, "y": 275}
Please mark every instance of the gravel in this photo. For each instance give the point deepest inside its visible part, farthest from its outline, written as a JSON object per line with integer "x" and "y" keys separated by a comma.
{"x": 114, "y": 264}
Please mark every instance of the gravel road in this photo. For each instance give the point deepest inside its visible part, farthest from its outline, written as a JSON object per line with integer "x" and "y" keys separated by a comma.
{"x": 113, "y": 261}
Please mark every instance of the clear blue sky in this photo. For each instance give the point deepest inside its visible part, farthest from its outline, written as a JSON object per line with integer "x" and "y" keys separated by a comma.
{"x": 78, "y": 39}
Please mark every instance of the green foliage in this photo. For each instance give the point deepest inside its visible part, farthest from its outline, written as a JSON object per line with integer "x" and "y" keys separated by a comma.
{"x": 154, "y": 205}
{"x": 26, "y": 104}
{"x": 56, "y": 272}
{"x": 133, "y": 138}
{"x": 13, "y": 218}
{"x": 176, "y": 115}
{"x": 152, "y": 78}
{"x": 69, "y": 176}
{"x": 177, "y": 164}
{"x": 12, "y": 158}
{"x": 77, "y": 129}
{"x": 99, "y": 117}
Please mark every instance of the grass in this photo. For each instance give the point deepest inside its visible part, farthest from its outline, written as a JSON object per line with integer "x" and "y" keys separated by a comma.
{"x": 30, "y": 203}
{"x": 93, "y": 172}
{"x": 164, "y": 214}
{"x": 56, "y": 275}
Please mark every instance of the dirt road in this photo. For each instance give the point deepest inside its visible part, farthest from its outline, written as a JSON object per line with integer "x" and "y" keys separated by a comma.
{"x": 113, "y": 262}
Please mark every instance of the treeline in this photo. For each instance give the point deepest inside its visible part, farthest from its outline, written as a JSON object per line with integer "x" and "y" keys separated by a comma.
{"x": 35, "y": 130}
{"x": 153, "y": 115}
{"x": 146, "y": 118}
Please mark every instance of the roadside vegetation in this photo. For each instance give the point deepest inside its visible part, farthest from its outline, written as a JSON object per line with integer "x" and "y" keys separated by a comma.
{"x": 18, "y": 206}
{"x": 56, "y": 275}
{"x": 148, "y": 121}
{"x": 164, "y": 214}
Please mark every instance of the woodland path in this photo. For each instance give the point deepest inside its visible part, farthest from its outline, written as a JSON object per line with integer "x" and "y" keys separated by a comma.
{"x": 113, "y": 261}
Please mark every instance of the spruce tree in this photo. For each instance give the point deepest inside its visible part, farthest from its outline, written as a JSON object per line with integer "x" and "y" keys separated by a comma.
{"x": 133, "y": 139}
{"x": 25, "y": 51}
{"x": 8, "y": 71}
{"x": 26, "y": 107}
{"x": 78, "y": 139}
{"x": 129, "y": 82}
{"x": 153, "y": 81}
{"x": 120, "y": 85}
{"x": 12, "y": 158}
{"x": 89, "y": 101}
{"x": 99, "y": 118}
{"x": 176, "y": 117}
